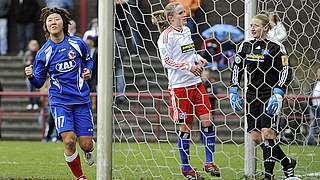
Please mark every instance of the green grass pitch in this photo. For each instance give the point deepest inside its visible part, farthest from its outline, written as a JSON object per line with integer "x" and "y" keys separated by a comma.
{"x": 36, "y": 160}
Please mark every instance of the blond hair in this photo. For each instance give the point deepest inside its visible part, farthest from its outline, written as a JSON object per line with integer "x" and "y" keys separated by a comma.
{"x": 34, "y": 43}
{"x": 265, "y": 20}
{"x": 160, "y": 17}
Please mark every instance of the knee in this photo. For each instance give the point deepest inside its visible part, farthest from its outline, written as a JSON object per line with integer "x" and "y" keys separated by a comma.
{"x": 69, "y": 143}
{"x": 86, "y": 145}
{"x": 206, "y": 120}
{"x": 268, "y": 133}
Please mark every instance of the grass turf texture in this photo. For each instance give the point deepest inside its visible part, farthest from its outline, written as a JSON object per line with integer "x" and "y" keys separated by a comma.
{"x": 36, "y": 160}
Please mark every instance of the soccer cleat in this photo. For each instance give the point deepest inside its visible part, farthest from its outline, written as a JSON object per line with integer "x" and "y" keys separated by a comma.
{"x": 212, "y": 169}
{"x": 192, "y": 174}
{"x": 268, "y": 177}
{"x": 289, "y": 169}
{"x": 89, "y": 156}
{"x": 83, "y": 177}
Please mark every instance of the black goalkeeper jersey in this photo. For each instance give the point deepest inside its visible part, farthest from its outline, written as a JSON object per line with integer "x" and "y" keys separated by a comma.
{"x": 268, "y": 67}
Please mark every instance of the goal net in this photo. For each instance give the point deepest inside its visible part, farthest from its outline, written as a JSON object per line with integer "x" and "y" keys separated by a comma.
{"x": 145, "y": 139}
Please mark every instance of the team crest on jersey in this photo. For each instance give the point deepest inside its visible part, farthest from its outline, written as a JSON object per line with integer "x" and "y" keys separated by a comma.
{"x": 164, "y": 51}
{"x": 237, "y": 60}
{"x": 66, "y": 66}
{"x": 71, "y": 54}
{"x": 182, "y": 115}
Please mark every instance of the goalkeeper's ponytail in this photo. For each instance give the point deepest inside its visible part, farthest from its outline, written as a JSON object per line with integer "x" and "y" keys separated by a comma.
{"x": 160, "y": 18}
{"x": 265, "y": 20}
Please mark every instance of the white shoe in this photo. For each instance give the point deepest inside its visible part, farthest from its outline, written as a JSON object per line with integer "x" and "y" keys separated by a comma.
{"x": 29, "y": 107}
{"x": 35, "y": 107}
{"x": 89, "y": 156}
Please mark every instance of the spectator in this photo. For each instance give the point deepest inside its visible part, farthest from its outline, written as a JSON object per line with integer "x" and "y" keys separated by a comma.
{"x": 51, "y": 134}
{"x": 314, "y": 126}
{"x": 134, "y": 17}
{"x": 72, "y": 29}
{"x": 5, "y": 6}
{"x": 228, "y": 50}
{"x": 93, "y": 31}
{"x": 120, "y": 49}
{"x": 1, "y": 89}
{"x": 210, "y": 86}
{"x": 27, "y": 14}
{"x": 28, "y": 60}
{"x": 211, "y": 51}
{"x": 65, "y": 4}
{"x": 190, "y": 6}
{"x": 94, "y": 75}
{"x": 278, "y": 32}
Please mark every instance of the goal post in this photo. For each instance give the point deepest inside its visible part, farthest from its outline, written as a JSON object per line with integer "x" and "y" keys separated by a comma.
{"x": 250, "y": 146}
{"x": 104, "y": 91}
{"x": 136, "y": 137}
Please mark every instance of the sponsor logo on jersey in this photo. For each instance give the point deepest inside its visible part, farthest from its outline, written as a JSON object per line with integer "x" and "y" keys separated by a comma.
{"x": 66, "y": 66}
{"x": 187, "y": 48}
{"x": 71, "y": 54}
{"x": 182, "y": 115}
{"x": 237, "y": 60}
{"x": 255, "y": 57}
{"x": 284, "y": 60}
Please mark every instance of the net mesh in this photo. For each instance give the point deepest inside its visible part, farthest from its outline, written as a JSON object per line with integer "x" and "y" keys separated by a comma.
{"x": 145, "y": 139}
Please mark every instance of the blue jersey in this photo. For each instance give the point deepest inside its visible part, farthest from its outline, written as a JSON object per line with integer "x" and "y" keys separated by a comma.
{"x": 64, "y": 62}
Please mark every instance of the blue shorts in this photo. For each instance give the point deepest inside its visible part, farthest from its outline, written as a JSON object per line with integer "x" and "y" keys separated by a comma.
{"x": 77, "y": 118}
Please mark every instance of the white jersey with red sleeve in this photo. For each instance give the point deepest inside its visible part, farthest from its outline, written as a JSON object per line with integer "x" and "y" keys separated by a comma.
{"x": 177, "y": 52}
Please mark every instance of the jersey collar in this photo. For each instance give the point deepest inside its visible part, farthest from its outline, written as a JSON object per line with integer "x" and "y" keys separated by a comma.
{"x": 176, "y": 29}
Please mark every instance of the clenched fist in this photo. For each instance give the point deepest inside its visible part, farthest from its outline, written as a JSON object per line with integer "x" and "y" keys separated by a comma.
{"x": 86, "y": 74}
{"x": 29, "y": 71}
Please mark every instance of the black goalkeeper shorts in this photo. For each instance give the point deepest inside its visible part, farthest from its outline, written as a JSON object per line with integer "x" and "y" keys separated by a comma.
{"x": 257, "y": 117}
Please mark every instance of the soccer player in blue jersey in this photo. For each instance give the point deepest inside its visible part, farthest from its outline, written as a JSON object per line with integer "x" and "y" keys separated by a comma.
{"x": 67, "y": 60}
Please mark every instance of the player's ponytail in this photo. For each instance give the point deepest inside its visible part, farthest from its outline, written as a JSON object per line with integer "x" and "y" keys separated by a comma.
{"x": 265, "y": 20}
{"x": 160, "y": 18}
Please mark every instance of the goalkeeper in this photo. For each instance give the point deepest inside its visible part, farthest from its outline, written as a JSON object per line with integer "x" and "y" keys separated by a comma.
{"x": 186, "y": 90}
{"x": 269, "y": 73}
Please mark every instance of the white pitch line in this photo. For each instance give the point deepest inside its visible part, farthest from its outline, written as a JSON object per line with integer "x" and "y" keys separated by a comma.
{"x": 14, "y": 162}
{"x": 310, "y": 174}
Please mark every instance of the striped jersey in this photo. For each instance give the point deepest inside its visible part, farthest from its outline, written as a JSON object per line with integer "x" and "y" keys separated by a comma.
{"x": 64, "y": 62}
{"x": 177, "y": 52}
{"x": 267, "y": 65}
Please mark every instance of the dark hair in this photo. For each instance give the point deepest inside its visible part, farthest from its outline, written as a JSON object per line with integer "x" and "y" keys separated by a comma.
{"x": 65, "y": 15}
